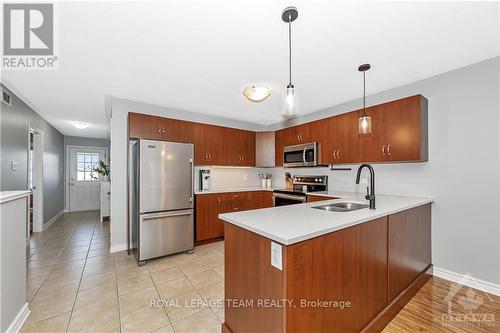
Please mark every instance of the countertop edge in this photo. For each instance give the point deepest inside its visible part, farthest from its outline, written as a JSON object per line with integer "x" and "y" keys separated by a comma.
{"x": 311, "y": 235}
{"x": 6, "y": 196}
{"x": 236, "y": 189}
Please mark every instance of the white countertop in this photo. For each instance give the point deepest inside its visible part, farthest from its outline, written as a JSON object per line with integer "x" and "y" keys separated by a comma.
{"x": 232, "y": 189}
{"x": 6, "y": 196}
{"x": 295, "y": 223}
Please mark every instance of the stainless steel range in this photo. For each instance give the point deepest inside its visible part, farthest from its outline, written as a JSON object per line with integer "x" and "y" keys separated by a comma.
{"x": 301, "y": 186}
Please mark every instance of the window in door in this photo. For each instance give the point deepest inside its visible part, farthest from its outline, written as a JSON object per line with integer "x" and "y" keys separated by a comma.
{"x": 85, "y": 164}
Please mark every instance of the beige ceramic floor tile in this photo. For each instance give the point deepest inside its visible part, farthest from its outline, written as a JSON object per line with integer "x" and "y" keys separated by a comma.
{"x": 201, "y": 322}
{"x": 143, "y": 320}
{"x": 108, "y": 326}
{"x": 175, "y": 287}
{"x": 94, "y": 295}
{"x": 43, "y": 308}
{"x": 184, "y": 258}
{"x": 185, "y": 305}
{"x": 194, "y": 267}
{"x": 56, "y": 324}
{"x": 161, "y": 263}
{"x": 137, "y": 299}
{"x": 167, "y": 274}
{"x": 92, "y": 281}
{"x": 93, "y": 313}
{"x": 205, "y": 278}
{"x": 164, "y": 329}
{"x": 136, "y": 283}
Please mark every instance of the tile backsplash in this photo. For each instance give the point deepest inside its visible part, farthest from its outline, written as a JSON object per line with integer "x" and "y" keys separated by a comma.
{"x": 231, "y": 177}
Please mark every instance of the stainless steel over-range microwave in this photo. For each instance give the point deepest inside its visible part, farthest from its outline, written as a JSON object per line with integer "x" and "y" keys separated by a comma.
{"x": 303, "y": 155}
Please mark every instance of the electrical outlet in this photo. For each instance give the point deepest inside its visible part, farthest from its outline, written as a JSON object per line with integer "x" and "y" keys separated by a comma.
{"x": 276, "y": 256}
{"x": 14, "y": 165}
{"x": 364, "y": 180}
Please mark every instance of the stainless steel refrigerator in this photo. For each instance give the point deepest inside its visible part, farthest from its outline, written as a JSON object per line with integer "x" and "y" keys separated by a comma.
{"x": 160, "y": 198}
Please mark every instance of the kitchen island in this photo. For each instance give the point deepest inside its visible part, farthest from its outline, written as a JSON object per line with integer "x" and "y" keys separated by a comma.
{"x": 300, "y": 269}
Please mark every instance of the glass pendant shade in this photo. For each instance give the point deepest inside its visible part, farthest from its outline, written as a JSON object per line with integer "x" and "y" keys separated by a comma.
{"x": 257, "y": 93}
{"x": 290, "y": 103}
{"x": 365, "y": 124}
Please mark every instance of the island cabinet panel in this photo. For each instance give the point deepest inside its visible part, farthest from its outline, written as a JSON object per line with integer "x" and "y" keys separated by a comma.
{"x": 347, "y": 265}
{"x": 366, "y": 273}
{"x": 408, "y": 257}
{"x": 313, "y": 198}
{"x": 249, "y": 278}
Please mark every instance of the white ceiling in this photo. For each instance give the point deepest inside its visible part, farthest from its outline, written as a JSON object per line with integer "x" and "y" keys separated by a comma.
{"x": 199, "y": 55}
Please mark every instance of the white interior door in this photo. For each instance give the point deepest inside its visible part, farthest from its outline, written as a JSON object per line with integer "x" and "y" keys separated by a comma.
{"x": 83, "y": 181}
{"x": 35, "y": 176}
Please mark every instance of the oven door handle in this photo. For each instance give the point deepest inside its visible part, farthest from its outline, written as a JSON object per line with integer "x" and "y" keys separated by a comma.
{"x": 289, "y": 196}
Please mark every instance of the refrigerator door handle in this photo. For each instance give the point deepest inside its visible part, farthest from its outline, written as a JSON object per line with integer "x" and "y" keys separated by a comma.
{"x": 191, "y": 180}
{"x": 155, "y": 216}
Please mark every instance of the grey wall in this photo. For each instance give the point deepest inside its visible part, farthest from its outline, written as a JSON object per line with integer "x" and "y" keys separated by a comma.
{"x": 14, "y": 147}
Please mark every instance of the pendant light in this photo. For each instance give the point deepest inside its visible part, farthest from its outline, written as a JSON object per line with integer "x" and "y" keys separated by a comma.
{"x": 365, "y": 121}
{"x": 290, "y": 103}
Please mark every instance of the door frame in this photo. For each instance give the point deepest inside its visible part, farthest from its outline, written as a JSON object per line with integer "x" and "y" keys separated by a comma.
{"x": 67, "y": 170}
{"x": 38, "y": 159}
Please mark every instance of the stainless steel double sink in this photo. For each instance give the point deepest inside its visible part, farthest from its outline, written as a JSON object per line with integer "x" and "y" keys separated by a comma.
{"x": 342, "y": 207}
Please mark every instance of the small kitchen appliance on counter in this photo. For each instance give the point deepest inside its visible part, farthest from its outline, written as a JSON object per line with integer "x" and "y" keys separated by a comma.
{"x": 205, "y": 180}
{"x": 301, "y": 185}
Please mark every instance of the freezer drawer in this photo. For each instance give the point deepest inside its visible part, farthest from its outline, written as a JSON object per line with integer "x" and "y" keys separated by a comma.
{"x": 165, "y": 233}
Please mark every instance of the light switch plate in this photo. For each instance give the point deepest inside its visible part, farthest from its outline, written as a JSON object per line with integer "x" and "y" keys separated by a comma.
{"x": 276, "y": 256}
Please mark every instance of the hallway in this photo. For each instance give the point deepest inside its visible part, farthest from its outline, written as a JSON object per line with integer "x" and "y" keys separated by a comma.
{"x": 75, "y": 285}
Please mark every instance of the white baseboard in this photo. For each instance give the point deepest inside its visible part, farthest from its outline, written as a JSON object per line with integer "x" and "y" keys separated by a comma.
{"x": 118, "y": 248}
{"x": 467, "y": 280}
{"x": 18, "y": 322}
{"x": 52, "y": 220}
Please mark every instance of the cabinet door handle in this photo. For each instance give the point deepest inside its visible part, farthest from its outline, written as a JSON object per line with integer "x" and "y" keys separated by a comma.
{"x": 218, "y": 197}
{"x": 383, "y": 150}
{"x": 338, "y": 153}
{"x": 334, "y": 154}
{"x": 389, "y": 150}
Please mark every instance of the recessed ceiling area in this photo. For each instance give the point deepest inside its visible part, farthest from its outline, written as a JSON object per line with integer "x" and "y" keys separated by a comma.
{"x": 199, "y": 56}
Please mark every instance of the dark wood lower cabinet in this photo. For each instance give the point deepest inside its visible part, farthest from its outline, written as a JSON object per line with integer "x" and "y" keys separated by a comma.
{"x": 208, "y": 207}
{"x": 313, "y": 198}
{"x": 366, "y": 273}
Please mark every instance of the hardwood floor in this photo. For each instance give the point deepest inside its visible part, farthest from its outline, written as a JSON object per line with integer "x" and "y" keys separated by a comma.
{"x": 428, "y": 310}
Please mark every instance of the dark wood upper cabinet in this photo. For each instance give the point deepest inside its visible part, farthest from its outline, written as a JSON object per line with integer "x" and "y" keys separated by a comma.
{"x": 159, "y": 128}
{"x": 399, "y": 132}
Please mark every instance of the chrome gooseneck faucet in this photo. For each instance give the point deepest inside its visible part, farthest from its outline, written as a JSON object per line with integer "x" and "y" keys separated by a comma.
{"x": 370, "y": 195}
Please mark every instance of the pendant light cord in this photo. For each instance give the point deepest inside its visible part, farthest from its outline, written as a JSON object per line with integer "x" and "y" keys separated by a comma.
{"x": 364, "y": 93}
{"x": 290, "y": 47}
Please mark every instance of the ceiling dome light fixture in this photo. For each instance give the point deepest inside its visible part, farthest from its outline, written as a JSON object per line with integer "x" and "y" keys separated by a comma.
{"x": 365, "y": 121}
{"x": 290, "y": 103}
{"x": 80, "y": 124}
{"x": 257, "y": 93}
